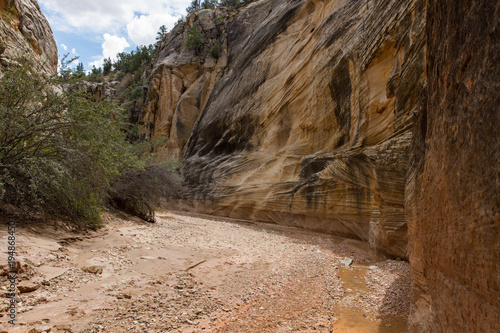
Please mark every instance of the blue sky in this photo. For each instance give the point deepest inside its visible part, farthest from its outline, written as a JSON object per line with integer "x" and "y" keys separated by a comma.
{"x": 97, "y": 29}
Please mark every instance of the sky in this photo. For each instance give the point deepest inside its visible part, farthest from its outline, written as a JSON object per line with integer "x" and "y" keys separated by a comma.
{"x": 97, "y": 29}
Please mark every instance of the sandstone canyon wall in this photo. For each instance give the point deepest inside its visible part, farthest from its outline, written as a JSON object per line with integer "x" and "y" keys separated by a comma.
{"x": 24, "y": 31}
{"x": 305, "y": 117}
{"x": 453, "y": 194}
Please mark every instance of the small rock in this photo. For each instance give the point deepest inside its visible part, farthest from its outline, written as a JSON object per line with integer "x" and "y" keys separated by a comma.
{"x": 94, "y": 269}
{"x": 27, "y": 286}
{"x": 41, "y": 329}
{"x": 124, "y": 295}
{"x": 62, "y": 328}
{"x": 347, "y": 262}
{"x": 148, "y": 258}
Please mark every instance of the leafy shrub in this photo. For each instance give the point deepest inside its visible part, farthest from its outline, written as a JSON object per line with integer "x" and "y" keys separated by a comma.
{"x": 130, "y": 62}
{"x": 209, "y": 4}
{"x": 95, "y": 75}
{"x": 230, "y": 3}
{"x": 215, "y": 50}
{"x": 181, "y": 19}
{"x": 58, "y": 150}
{"x": 107, "y": 66}
{"x": 8, "y": 14}
{"x": 139, "y": 192}
{"x": 220, "y": 19}
{"x": 193, "y": 6}
{"x": 120, "y": 76}
{"x": 194, "y": 39}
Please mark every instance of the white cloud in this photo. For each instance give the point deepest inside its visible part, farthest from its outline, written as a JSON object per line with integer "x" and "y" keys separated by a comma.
{"x": 64, "y": 47}
{"x": 142, "y": 29}
{"x": 98, "y": 63}
{"x": 111, "y": 46}
{"x": 73, "y": 51}
{"x": 111, "y": 16}
{"x": 120, "y": 22}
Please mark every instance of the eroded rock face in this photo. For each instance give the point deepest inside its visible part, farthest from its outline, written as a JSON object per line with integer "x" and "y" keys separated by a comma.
{"x": 305, "y": 118}
{"x": 453, "y": 192}
{"x": 182, "y": 81}
{"x": 24, "y": 30}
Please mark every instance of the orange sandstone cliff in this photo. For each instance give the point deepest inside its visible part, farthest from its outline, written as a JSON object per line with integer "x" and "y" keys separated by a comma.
{"x": 24, "y": 31}
{"x": 304, "y": 118}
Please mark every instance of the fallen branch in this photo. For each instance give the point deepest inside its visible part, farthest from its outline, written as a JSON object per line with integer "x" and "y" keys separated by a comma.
{"x": 193, "y": 266}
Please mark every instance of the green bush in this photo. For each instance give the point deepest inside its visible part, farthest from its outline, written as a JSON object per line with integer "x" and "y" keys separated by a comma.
{"x": 209, "y": 4}
{"x": 107, "y": 66}
{"x": 8, "y": 14}
{"x": 215, "y": 50}
{"x": 194, "y": 39}
{"x": 139, "y": 192}
{"x": 59, "y": 151}
{"x": 120, "y": 76}
{"x": 220, "y": 19}
{"x": 230, "y": 3}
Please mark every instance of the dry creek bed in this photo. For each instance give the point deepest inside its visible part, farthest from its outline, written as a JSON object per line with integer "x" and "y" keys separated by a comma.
{"x": 190, "y": 273}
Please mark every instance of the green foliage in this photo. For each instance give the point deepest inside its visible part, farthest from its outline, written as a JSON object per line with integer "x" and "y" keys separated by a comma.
{"x": 65, "y": 72}
{"x": 79, "y": 67}
{"x": 215, "y": 50}
{"x": 194, "y": 39}
{"x": 220, "y": 19}
{"x": 79, "y": 72}
{"x": 181, "y": 19}
{"x": 58, "y": 151}
{"x": 230, "y": 3}
{"x": 95, "y": 75}
{"x": 133, "y": 61}
{"x": 120, "y": 76}
{"x": 107, "y": 66}
{"x": 193, "y": 6}
{"x": 162, "y": 32}
{"x": 136, "y": 92}
{"x": 209, "y": 4}
{"x": 139, "y": 192}
{"x": 8, "y": 14}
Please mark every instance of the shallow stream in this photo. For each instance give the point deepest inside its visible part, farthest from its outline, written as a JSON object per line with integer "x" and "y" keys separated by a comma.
{"x": 354, "y": 320}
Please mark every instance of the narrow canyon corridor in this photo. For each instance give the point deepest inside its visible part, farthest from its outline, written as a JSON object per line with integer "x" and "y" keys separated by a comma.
{"x": 192, "y": 273}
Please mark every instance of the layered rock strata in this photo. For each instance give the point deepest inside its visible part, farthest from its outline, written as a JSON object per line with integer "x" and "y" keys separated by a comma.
{"x": 453, "y": 192}
{"x": 304, "y": 119}
{"x": 24, "y": 31}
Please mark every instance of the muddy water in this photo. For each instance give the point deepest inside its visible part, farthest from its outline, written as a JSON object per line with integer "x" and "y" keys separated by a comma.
{"x": 352, "y": 320}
